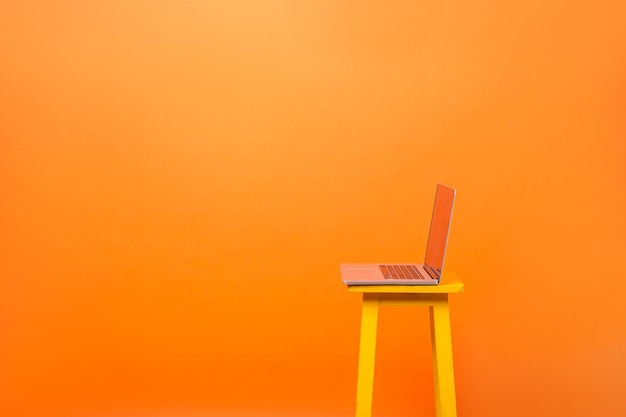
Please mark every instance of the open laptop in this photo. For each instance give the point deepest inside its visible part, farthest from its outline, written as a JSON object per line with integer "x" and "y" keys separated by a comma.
{"x": 428, "y": 273}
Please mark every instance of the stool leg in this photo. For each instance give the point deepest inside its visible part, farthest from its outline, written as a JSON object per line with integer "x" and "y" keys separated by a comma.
{"x": 367, "y": 355}
{"x": 445, "y": 401}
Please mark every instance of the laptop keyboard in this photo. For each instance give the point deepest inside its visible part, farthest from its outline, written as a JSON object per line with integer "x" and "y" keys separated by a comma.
{"x": 400, "y": 272}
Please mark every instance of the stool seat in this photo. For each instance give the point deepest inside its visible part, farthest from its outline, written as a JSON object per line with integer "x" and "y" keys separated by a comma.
{"x": 436, "y": 298}
{"x": 450, "y": 283}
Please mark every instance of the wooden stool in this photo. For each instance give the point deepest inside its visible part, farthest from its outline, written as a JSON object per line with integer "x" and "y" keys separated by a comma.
{"x": 436, "y": 298}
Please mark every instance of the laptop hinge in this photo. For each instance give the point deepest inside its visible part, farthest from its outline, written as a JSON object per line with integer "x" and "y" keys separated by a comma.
{"x": 434, "y": 273}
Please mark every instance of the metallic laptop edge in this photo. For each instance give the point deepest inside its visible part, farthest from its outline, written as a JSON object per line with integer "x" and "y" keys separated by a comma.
{"x": 370, "y": 274}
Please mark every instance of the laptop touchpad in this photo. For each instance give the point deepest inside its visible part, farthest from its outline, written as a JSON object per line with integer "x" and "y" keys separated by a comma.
{"x": 358, "y": 273}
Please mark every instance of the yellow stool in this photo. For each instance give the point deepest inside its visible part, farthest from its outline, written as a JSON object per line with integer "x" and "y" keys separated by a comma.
{"x": 435, "y": 297}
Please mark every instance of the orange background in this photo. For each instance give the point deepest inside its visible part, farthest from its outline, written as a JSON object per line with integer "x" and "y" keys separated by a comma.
{"x": 180, "y": 180}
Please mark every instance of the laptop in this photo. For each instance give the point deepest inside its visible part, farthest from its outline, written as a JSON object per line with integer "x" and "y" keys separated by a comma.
{"x": 428, "y": 273}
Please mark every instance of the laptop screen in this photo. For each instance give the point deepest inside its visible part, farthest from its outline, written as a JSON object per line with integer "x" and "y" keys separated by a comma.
{"x": 439, "y": 228}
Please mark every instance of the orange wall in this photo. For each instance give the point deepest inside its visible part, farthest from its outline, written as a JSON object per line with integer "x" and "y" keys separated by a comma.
{"x": 180, "y": 180}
